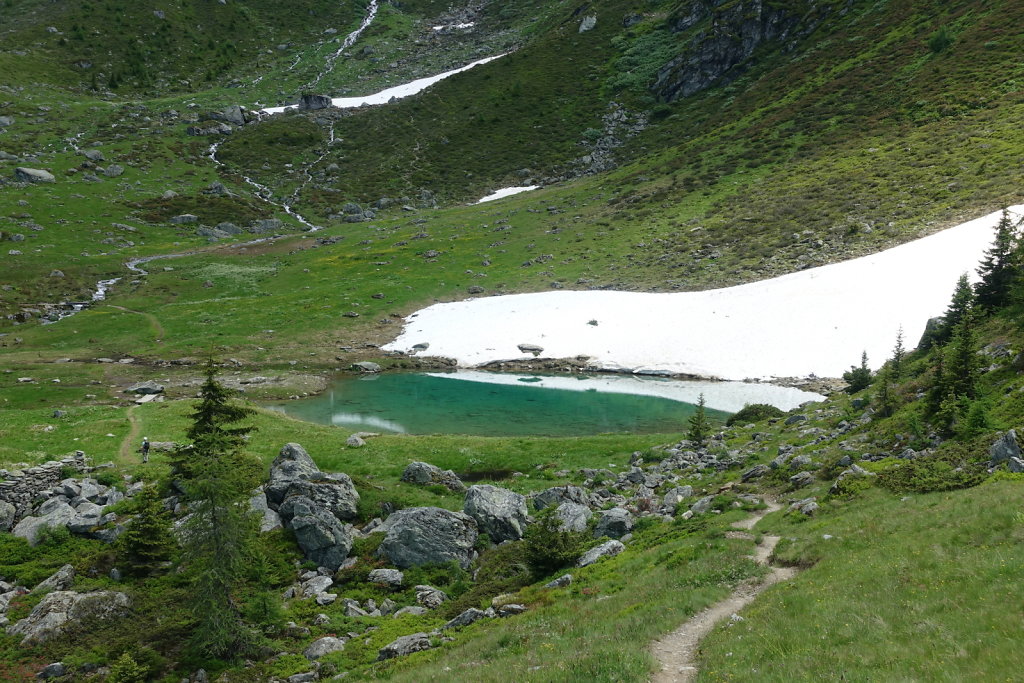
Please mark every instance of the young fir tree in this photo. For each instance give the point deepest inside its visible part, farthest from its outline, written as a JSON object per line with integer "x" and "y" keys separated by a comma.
{"x": 956, "y": 375}
{"x": 997, "y": 268}
{"x": 148, "y": 540}
{"x": 219, "y": 538}
{"x": 700, "y": 428}
{"x": 898, "y": 354}
{"x": 959, "y": 306}
{"x": 858, "y": 378}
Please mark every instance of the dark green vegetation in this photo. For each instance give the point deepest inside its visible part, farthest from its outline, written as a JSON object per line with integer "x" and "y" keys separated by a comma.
{"x": 869, "y": 124}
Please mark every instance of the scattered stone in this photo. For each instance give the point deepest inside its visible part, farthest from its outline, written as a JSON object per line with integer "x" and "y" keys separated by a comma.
{"x": 466, "y": 618}
{"x": 802, "y": 479}
{"x": 354, "y": 442}
{"x": 560, "y": 582}
{"x": 425, "y": 473}
{"x": 55, "y": 670}
{"x": 1004, "y": 448}
{"x": 531, "y": 348}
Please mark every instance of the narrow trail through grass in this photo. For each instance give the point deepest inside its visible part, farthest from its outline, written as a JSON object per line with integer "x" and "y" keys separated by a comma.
{"x": 677, "y": 651}
{"x": 126, "y": 452}
{"x": 154, "y": 323}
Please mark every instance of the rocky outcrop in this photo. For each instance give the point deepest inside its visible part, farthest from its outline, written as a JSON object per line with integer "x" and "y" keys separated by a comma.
{"x": 614, "y": 523}
{"x": 318, "y": 532}
{"x": 607, "y": 549}
{"x": 61, "y": 609}
{"x": 561, "y": 494}
{"x": 1004, "y": 448}
{"x": 499, "y": 513}
{"x": 428, "y": 535}
{"x": 724, "y": 37}
{"x": 403, "y": 646}
{"x": 21, "y": 487}
{"x": 425, "y": 473}
{"x": 292, "y": 465}
{"x": 311, "y": 102}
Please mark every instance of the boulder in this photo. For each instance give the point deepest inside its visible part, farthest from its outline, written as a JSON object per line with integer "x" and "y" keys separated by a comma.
{"x": 323, "y": 646}
{"x": 466, "y": 618}
{"x": 677, "y": 496}
{"x": 614, "y": 523}
{"x": 366, "y": 366}
{"x": 355, "y": 442}
{"x": 333, "y": 492}
{"x": 113, "y": 171}
{"x": 403, "y": 646}
{"x": 33, "y": 175}
{"x": 57, "y": 514}
{"x": 292, "y": 465}
{"x": 233, "y": 114}
{"x": 387, "y": 577}
{"x": 145, "y": 388}
{"x": 428, "y": 535}
{"x": 606, "y": 549}
{"x": 561, "y": 494}
{"x": 414, "y": 610}
{"x": 183, "y": 219}
{"x": 321, "y": 536}
{"x": 93, "y": 155}
{"x": 430, "y": 597}
{"x": 572, "y": 516}
{"x": 54, "y": 670}
{"x": 316, "y": 585}
{"x": 62, "y": 609}
{"x": 531, "y": 348}
{"x": 498, "y": 512}
{"x": 702, "y": 505}
{"x": 560, "y": 582}
{"x": 425, "y": 473}
{"x": 7, "y": 515}
{"x": 265, "y": 225}
{"x": 61, "y": 580}
{"x": 1004, "y": 448}
{"x": 311, "y": 102}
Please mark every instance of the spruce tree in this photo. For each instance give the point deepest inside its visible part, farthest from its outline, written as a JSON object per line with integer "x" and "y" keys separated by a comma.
{"x": 221, "y": 532}
{"x": 997, "y": 268}
{"x": 700, "y": 428}
{"x": 858, "y": 378}
{"x": 147, "y": 541}
{"x": 959, "y": 306}
{"x": 898, "y": 354}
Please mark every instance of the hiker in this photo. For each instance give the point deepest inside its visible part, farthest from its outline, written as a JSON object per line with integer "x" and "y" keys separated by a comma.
{"x": 145, "y": 449}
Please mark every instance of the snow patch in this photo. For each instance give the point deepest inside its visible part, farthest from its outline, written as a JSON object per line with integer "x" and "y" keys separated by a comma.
{"x": 506, "y": 192}
{"x": 812, "y": 322}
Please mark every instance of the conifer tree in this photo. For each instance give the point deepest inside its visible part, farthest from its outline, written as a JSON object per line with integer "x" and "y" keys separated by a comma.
{"x": 898, "y": 354}
{"x": 997, "y": 268}
{"x": 700, "y": 428}
{"x": 147, "y": 541}
{"x": 959, "y": 306}
{"x": 858, "y": 378}
{"x": 219, "y": 538}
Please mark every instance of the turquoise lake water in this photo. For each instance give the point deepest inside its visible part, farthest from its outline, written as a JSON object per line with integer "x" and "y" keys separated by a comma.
{"x": 413, "y": 403}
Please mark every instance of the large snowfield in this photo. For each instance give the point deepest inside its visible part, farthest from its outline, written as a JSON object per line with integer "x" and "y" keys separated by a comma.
{"x": 812, "y": 322}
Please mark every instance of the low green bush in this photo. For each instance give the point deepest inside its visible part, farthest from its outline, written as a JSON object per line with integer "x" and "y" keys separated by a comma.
{"x": 754, "y": 412}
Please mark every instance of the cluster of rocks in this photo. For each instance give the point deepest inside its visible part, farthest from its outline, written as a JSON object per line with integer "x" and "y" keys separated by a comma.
{"x": 61, "y": 607}
{"x": 221, "y": 122}
{"x": 20, "y": 488}
{"x": 351, "y": 212}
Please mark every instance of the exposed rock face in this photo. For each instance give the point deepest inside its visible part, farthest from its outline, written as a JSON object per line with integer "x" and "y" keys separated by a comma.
{"x": 498, "y": 512}
{"x": 333, "y": 492}
{"x": 428, "y": 535}
{"x": 269, "y": 519}
{"x": 60, "y": 609}
{"x": 425, "y": 473}
{"x": 292, "y": 465}
{"x": 7, "y": 512}
{"x": 388, "y": 577}
{"x": 61, "y": 580}
{"x": 720, "y": 52}
{"x": 53, "y": 513}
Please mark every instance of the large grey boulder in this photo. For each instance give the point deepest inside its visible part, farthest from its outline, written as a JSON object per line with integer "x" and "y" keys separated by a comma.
{"x": 499, "y": 513}
{"x": 387, "y": 577}
{"x": 7, "y": 514}
{"x": 702, "y": 505}
{"x": 676, "y": 496}
{"x": 614, "y": 523}
{"x": 466, "y": 618}
{"x": 428, "y": 535}
{"x": 403, "y": 646}
{"x": 430, "y": 597}
{"x": 54, "y": 513}
{"x": 321, "y": 536}
{"x": 333, "y": 492}
{"x": 561, "y": 494}
{"x": 606, "y": 549}
{"x": 292, "y": 464}
{"x": 572, "y": 516}
{"x": 1004, "y": 448}
{"x": 33, "y": 175}
{"x": 61, "y": 609}
{"x": 324, "y": 646}
{"x": 310, "y": 102}
{"x": 425, "y": 473}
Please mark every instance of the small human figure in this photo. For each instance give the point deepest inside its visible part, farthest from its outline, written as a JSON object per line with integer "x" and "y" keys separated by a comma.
{"x": 145, "y": 449}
